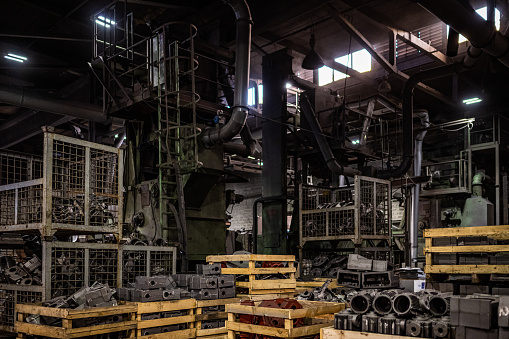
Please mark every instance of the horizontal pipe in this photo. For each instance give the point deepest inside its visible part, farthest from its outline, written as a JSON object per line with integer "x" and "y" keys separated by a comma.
{"x": 21, "y": 97}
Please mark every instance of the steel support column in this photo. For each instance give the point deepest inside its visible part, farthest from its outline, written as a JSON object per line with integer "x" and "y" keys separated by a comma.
{"x": 275, "y": 70}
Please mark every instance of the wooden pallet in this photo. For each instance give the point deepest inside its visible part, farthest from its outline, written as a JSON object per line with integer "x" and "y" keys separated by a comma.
{"x": 220, "y": 315}
{"x": 187, "y": 305}
{"x": 497, "y": 232}
{"x": 303, "y": 286}
{"x": 70, "y": 316}
{"x": 331, "y": 333}
{"x": 319, "y": 314}
{"x": 258, "y": 286}
{"x": 270, "y": 296}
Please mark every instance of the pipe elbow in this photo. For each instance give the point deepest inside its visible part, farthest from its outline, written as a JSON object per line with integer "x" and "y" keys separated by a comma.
{"x": 240, "y": 8}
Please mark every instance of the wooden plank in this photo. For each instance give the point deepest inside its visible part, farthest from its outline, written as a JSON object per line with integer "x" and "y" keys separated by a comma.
{"x": 211, "y": 332}
{"x": 467, "y": 269}
{"x": 257, "y": 329}
{"x": 41, "y": 330}
{"x": 266, "y": 296}
{"x": 217, "y": 302}
{"x": 313, "y": 284}
{"x": 166, "y": 306}
{"x": 250, "y": 257}
{"x": 211, "y": 316}
{"x": 502, "y": 230}
{"x": 101, "y": 311}
{"x": 100, "y": 329}
{"x": 41, "y": 310}
{"x": 331, "y": 333}
{"x": 258, "y": 270}
{"x": 308, "y": 330}
{"x": 467, "y": 249}
{"x": 182, "y": 334}
{"x": 166, "y": 321}
{"x": 309, "y": 310}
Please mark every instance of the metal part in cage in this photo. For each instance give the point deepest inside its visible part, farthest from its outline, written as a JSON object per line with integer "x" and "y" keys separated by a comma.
{"x": 76, "y": 190}
{"x": 147, "y": 261}
{"x": 358, "y": 212}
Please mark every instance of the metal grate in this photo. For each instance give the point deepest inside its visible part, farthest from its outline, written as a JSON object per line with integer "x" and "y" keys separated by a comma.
{"x": 30, "y": 204}
{"x": 67, "y": 271}
{"x": 134, "y": 264}
{"x": 17, "y": 167}
{"x": 68, "y": 183}
{"x": 341, "y": 222}
{"x": 374, "y": 208}
{"x": 314, "y": 224}
{"x": 7, "y": 207}
{"x": 103, "y": 266}
{"x": 7, "y": 307}
{"x": 103, "y": 188}
{"x": 161, "y": 262}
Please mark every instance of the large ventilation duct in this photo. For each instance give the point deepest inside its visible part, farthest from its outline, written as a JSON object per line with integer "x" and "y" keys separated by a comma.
{"x": 414, "y": 223}
{"x": 407, "y": 98}
{"x": 462, "y": 18}
{"x": 325, "y": 149}
{"x": 23, "y": 98}
{"x": 212, "y": 136}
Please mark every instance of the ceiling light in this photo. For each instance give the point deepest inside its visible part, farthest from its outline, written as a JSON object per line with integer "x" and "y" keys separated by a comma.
{"x": 313, "y": 60}
{"x": 288, "y": 85}
{"x": 15, "y": 57}
{"x": 472, "y": 101}
{"x": 104, "y": 22}
{"x": 385, "y": 86}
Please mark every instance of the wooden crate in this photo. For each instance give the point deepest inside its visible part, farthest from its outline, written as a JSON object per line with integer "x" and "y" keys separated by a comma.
{"x": 303, "y": 286}
{"x": 496, "y": 232}
{"x": 188, "y": 305}
{"x": 255, "y": 286}
{"x": 317, "y": 314}
{"x": 331, "y": 333}
{"x": 66, "y": 329}
{"x": 219, "y": 315}
{"x": 270, "y": 296}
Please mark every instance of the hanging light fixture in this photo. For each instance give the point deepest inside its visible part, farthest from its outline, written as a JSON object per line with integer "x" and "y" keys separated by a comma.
{"x": 313, "y": 60}
{"x": 385, "y": 86}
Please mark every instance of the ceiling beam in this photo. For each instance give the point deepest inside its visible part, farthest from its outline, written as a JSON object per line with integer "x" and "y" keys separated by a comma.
{"x": 418, "y": 44}
{"x": 32, "y": 36}
{"x": 392, "y": 69}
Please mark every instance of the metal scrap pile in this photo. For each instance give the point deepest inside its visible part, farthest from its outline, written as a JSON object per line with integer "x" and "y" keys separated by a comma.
{"x": 422, "y": 314}
{"x": 97, "y": 295}
{"x": 328, "y": 266}
{"x": 322, "y": 293}
{"x": 362, "y": 272}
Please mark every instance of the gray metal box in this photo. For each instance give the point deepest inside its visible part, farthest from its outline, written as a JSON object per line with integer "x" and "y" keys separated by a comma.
{"x": 359, "y": 263}
{"x": 227, "y": 292}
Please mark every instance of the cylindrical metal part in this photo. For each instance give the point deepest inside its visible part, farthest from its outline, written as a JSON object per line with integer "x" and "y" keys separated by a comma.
{"x": 442, "y": 327}
{"x": 370, "y": 323}
{"x": 392, "y": 325}
{"x": 361, "y": 303}
{"x": 439, "y": 305}
{"x": 405, "y": 304}
{"x": 382, "y": 304}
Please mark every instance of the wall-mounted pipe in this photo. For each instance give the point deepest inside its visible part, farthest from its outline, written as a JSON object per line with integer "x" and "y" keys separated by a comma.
{"x": 21, "y": 97}
{"x": 462, "y": 18}
{"x": 414, "y": 225}
{"x": 407, "y": 98}
{"x": 212, "y": 136}
{"x": 325, "y": 149}
{"x": 477, "y": 182}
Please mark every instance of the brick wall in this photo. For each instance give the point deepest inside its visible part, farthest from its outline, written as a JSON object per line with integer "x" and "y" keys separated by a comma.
{"x": 242, "y": 214}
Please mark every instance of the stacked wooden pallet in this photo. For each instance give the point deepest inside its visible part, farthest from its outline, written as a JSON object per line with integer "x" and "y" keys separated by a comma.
{"x": 257, "y": 266}
{"x": 296, "y": 323}
{"x": 331, "y": 333}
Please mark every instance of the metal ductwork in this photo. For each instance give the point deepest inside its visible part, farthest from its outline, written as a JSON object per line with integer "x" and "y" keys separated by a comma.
{"x": 21, "y": 97}
{"x": 414, "y": 222}
{"x": 219, "y": 135}
{"x": 407, "y": 97}
{"x": 482, "y": 34}
{"x": 325, "y": 149}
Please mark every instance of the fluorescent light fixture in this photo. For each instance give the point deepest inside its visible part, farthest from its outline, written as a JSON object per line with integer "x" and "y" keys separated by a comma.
{"x": 250, "y": 157}
{"x": 355, "y": 142}
{"x": 471, "y": 101}
{"x": 288, "y": 85}
{"x": 104, "y": 22}
{"x": 15, "y": 57}
{"x": 116, "y": 136}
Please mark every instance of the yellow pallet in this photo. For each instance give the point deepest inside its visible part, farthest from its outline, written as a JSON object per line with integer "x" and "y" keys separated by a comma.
{"x": 66, "y": 330}
{"x": 331, "y": 333}
{"x": 320, "y": 314}
{"x": 255, "y": 286}
{"x": 188, "y": 305}
{"x": 497, "y": 232}
{"x": 199, "y": 317}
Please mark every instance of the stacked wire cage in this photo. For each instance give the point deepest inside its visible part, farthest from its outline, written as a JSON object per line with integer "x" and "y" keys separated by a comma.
{"x": 357, "y": 212}
{"x": 73, "y": 189}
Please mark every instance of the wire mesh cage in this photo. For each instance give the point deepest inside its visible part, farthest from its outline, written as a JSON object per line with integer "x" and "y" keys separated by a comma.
{"x": 357, "y": 212}
{"x": 77, "y": 189}
{"x": 147, "y": 261}
{"x": 8, "y": 300}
